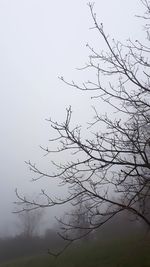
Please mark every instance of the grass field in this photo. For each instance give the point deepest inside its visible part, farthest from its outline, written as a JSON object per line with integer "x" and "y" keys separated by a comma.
{"x": 132, "y": 252}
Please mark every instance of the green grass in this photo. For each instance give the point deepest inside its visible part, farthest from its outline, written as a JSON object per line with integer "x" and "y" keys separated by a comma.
{"x": 38, "y": 261}
{"x": 132, "y": 252}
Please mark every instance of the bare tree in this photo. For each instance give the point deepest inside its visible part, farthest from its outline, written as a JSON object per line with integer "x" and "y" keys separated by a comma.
{"x": 29, "y": 221}
{"x": 112, "y": 167}
{"x": 76, "y": 223}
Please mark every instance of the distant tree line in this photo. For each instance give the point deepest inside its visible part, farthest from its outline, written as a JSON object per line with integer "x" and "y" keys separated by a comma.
{"x": 50, "y": 242}
{"x": 22, "y": 246}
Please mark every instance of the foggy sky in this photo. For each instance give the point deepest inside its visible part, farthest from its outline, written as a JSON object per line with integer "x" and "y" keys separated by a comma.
{"x": 41, "y": 40}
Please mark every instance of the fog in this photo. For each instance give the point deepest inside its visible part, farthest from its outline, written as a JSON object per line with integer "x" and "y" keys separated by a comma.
{"x": 41, "y": 40}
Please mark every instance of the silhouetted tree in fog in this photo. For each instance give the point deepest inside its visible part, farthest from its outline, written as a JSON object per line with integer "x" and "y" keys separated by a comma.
{"x": 76, "y": 223}
{"x": 111, "y": 167}
{"x": 29, "y": 221}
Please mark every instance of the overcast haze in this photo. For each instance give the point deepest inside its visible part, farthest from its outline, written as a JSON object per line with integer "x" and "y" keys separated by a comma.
{"x": 41, "y": 40}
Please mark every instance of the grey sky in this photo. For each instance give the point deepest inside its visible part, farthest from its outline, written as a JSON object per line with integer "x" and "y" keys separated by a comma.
{"x": 40, "y": 40}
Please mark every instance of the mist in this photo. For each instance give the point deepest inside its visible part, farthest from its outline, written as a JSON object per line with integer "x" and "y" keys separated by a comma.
{"x": 41, "y": 40}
